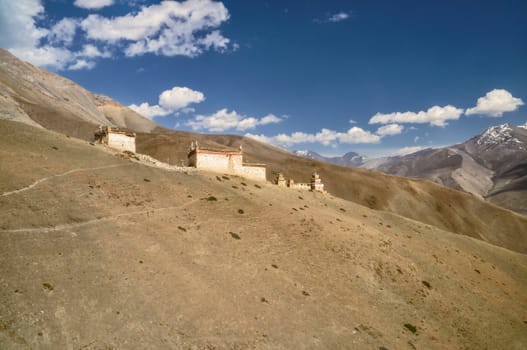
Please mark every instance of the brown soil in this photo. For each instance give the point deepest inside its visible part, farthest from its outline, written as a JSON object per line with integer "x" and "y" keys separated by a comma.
{"x": 99, "y": 252}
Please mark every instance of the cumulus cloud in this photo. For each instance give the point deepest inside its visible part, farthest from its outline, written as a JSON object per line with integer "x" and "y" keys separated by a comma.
{"x": 224, "y": 120}
{"x": 495, "y": 103}
{"x": 22, "y": 36}
{"x": 82, "y": 64}
{"x": 63, "y": 31}
{"x": 324, "y": 136}
{"x": 170, "y": 101}
{"x": 179, "y": 97}
{"x": 170, "y": 28}
{"x": 436, "y": 116}
{"x": 148, "y": 111}
{"x": 92, "y": 4}
{"x": 390, "y": 129}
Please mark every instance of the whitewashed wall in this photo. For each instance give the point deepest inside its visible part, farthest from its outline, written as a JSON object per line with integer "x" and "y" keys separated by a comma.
{"x": 122, "y": 142}
{"x": 253, "y": 172}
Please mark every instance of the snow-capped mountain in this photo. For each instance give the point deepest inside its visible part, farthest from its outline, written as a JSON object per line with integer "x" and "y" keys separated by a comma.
{"x": 350, "y": 159}
{"x": 501, "y": 135}
{"x": 492, "y": 165}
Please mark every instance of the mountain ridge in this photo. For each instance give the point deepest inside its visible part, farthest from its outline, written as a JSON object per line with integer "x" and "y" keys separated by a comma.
{"x": 491, "y": 165}
{"x": 35, "y": 96}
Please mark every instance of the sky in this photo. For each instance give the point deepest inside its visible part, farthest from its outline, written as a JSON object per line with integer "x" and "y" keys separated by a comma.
{"x": 375, "y": 77}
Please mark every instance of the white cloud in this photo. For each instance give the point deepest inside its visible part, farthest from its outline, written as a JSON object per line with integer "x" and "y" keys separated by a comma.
{"x": 436, "y": 116}
{"x": 82, "y": 64}
{"x": 495, "y": 103}
{"x": 338, "y": 17}
{"x": 93, "y": 4}
{"x": 406, "y": 150}
{"x": 333, "y": 18}
{"x": 63, "y": 31}
{"x": 270, "y": 119}
{"x": 90, "y": 50}
{"x": 21, "y": 36}
{"x": 148, "y": 111}
{"x": 261, "y": 138}
{"x": 44, "y": 56}
{"x": 179, "y": 97}
{"x": 358, "y": 135}
{"x": 17, "y": 23}
{"x": 325, "y": 137}
{"x": 170, "y": 101}
{"x": 170, "y": 28}
{"x": 224, "y": 120}
{"x": 390, "y": 129}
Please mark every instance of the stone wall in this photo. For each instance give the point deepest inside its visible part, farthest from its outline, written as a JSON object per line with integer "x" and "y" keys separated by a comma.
{"x": 121, "y": 141}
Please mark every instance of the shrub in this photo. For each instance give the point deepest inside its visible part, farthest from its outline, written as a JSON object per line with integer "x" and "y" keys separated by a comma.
{"x": 427, "y": 285}
{"x": 240, "y": 211}
{"x": 371, "y": 201}
{"x": 410, "y": 327}
{"x": 235, "y": 235}
{"x": 182, "y": 229}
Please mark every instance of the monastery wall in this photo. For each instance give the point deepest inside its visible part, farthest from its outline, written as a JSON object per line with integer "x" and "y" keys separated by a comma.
{"x": 121, "y": 141}
{"x": 230, "y": 162}
{"x": 253, "y": 171}
{"x": 215, "y": 161}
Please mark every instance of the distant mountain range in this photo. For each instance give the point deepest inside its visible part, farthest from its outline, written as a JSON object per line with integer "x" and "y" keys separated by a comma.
{"x": 492, "y": 165}
{"x": 349, "y": 159}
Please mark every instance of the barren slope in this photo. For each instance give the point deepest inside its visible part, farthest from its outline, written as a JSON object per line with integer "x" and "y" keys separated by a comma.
{"x": 420, "y": 200}
{"x": 99, "y": 252}
{"x": 35, "y": 96}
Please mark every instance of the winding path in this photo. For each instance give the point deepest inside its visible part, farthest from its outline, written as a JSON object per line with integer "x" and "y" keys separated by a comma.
{"x": 94, "y": 221}
{"x": 59, "y": 175}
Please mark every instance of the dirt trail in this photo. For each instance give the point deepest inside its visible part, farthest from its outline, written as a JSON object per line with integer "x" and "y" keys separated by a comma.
{"x": 59, "y": 175}
{"x": 93, "y": 221}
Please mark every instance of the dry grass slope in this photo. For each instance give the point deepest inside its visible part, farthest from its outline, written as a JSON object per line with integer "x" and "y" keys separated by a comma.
{"x": 416, "y": 199}
{"x": 99, "y": 252}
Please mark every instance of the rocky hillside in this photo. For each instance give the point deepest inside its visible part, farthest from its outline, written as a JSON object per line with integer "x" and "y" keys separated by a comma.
{"x": 492, "y": 165}
{"x": 102, "y": 252}
{"x": 35, "y": 96}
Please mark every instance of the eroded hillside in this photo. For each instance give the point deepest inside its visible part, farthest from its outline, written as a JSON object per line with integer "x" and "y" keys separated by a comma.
{"x": 97, "y": 251}
{"x": 420, "y": 200}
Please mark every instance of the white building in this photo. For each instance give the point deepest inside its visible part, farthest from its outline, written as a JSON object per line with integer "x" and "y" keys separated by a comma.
{"x": 224, "y": 161}
{"x": 115, "y": 138}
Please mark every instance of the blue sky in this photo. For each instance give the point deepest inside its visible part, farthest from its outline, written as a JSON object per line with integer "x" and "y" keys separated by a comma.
{"x": 376, "y": 77}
